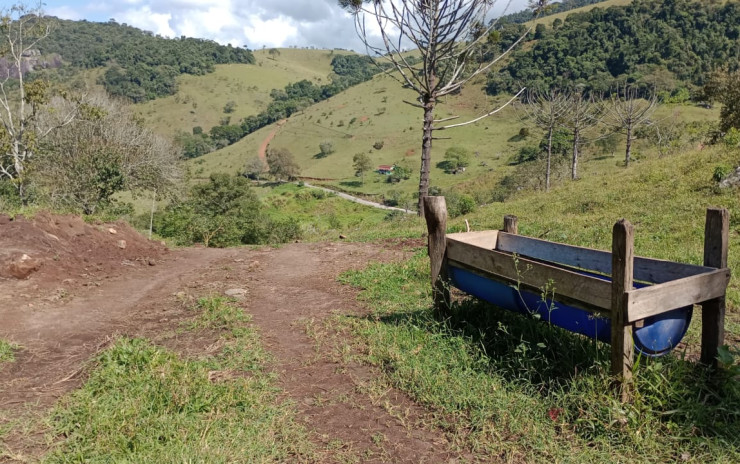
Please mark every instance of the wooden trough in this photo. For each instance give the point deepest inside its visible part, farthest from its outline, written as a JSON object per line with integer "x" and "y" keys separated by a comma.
{"x": 635, "y": 303}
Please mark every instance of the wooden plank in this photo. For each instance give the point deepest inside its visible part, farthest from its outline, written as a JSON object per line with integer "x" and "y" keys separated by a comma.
{"x": 592, "y": 291}
{"x": 435, "y": 213}
{"x": 511, "y": 224}
{"x": 623, "y": 254}
{"x": 484, "y": 239}
{"x": 645, "y": 269}
{"x": 716, "y": 240}
{"x": 656, "y": 299}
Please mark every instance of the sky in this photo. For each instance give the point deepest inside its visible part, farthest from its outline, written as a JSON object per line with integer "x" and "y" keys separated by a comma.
{"x": 251, "y": 23}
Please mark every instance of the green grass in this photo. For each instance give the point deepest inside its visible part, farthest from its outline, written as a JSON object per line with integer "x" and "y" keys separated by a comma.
{"x": 517, "y": 390}
{"x": 143, "y": 403}
{"x": 7, "y": 351}
{"x": 200, "y": 99}
{"x": 548, "y": 20}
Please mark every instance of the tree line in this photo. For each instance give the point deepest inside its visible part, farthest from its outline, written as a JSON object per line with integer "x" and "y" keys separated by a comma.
{"x": 348, "y": 70}
{"x": 141, "y": 65}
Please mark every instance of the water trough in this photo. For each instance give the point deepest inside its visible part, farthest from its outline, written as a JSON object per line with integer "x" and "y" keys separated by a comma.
{"x": 637, "y": 304}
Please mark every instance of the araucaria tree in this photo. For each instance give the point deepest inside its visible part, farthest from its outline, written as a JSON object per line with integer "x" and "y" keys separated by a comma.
{"x": 546, "y": 110}
{"x": 626, "y": 111}
{"x": 447, "y": 34}
{"x": 582, "y": 114}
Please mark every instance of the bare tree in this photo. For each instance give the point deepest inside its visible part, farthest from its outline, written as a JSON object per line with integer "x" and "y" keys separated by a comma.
{"x": 582, "y": 114}
{"x": 22, "y": 28}
{"x": 102, "y": 152}
{"x": 546, "y": 110}
{"x": 447, "y": 34}
{"x": 627, "y": 112}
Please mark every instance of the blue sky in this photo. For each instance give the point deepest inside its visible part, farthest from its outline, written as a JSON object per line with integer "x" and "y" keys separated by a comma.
{"x": 254, "y": 23}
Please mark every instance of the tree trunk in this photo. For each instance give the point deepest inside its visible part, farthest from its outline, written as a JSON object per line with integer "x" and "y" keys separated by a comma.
{"x": 629, "y": 145}
{"x": 426, "y": 151}
{"x": 574, "y": 163}
{"x": 549, "y": 157}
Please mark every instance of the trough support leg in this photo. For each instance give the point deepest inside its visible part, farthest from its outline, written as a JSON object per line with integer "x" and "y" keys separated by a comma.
{"x": 435, "y": 213}
{"x": 511, "y": 224}
{"x": 716, "y": 236}
{"x": 623, "y": 255}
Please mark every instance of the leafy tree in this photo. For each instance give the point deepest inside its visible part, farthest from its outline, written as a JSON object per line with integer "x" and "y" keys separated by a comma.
{"x": 221, "y": 212}
{"x": 362, "y": 163}
{"x": 194, "y": 145}
{"x": 457, "y": 158}
{"x": 608, "y": 143}
{"x": 724, "y": 86}
{"x": 326, "y": 148}
{"x": 448, "y": 35}
{"x": 281, "y": 163}
{"x": 230, "y": 107}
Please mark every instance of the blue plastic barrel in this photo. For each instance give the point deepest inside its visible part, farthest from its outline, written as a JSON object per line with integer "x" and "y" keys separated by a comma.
{"x": 658, "y": 336}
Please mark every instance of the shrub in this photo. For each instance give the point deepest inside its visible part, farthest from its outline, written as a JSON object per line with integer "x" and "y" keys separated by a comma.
{"x": 378, "y": 145}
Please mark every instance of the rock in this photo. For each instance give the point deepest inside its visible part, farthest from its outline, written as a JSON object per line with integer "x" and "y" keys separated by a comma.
{"x": 122, "y": 244}
{"x": 151, "y": 262}
{"x": 732, "y": 180}
{"x": 342, "y": 237}
{"x": 237, "y": 293}
{"x": 112, "y": 231}
{"x": 21, "y": 267}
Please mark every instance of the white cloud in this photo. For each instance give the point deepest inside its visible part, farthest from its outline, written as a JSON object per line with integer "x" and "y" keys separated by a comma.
{"x": 275, "y": 23}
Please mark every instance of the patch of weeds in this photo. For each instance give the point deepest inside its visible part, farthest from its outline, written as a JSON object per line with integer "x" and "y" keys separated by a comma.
{"x": 520, "y": 389}
{"x": 143, "y": 403}
{"x": 218, "y": 313}
{"x": 7, "y": 351}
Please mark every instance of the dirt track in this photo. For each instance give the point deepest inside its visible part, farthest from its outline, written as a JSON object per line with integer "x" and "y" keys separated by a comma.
{"x": 60, "y": 330}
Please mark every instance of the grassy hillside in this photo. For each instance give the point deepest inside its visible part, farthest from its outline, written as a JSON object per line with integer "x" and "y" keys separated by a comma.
{"x": 200, "y": 100}
{"x": 548, "y": 20}
{"x": 380, "y": 115}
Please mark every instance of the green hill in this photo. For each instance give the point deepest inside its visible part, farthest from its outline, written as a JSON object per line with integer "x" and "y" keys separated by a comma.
{"x": 200, "y": 100}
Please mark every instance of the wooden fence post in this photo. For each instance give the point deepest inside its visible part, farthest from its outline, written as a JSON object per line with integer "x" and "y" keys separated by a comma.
{"x": 511, "y": 224}
{"x": 623, "y": 255}
{"x": 716, "y": 236}
{"x": 435, "y": 213}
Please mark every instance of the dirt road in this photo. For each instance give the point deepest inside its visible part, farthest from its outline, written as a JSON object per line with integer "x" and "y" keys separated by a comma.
{"x": 59, "y": 335}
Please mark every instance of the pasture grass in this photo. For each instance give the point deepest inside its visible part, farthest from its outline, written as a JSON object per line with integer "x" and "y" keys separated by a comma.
{"x": 7, "y": 351}
{"x": 144, "y": 403}
{"x": 512, "y": 389}
{"x": 200, "y": 100}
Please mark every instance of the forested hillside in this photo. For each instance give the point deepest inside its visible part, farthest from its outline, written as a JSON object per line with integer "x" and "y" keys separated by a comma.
{"x": 667, "y": 45}
{"x": 141, "y": 66}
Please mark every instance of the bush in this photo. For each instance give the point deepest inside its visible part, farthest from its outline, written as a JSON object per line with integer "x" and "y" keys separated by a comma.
{"x": 378, "y": 145}
{"x": 720, "y": 172}
{"x": 459, "y": 204}
{"x": 326, "y": 147}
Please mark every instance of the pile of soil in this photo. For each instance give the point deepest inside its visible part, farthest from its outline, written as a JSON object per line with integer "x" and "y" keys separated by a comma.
{"x": 49, "y": 248}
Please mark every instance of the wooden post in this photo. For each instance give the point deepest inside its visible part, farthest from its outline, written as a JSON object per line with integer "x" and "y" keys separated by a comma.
{"x": 716, "y": 236}
{"x": 511, "y": 224}
{"x": 435, "y": 213}
{"x": 623, "y": 255}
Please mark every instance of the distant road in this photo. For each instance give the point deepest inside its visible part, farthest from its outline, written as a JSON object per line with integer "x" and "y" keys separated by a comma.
{"x": 360, "y": 200}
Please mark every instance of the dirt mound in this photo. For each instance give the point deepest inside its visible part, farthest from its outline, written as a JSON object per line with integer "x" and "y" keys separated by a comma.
{"x": 50, "y": 248}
